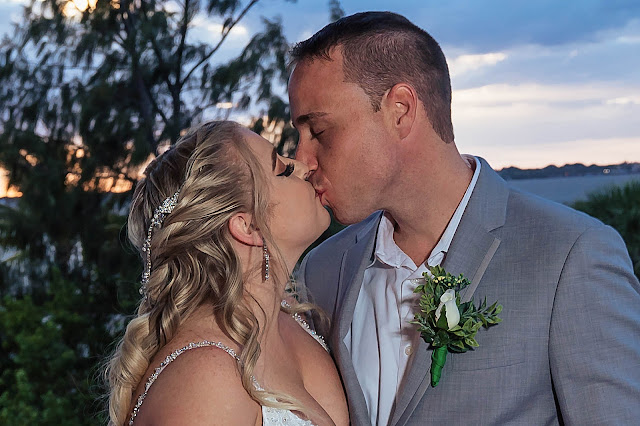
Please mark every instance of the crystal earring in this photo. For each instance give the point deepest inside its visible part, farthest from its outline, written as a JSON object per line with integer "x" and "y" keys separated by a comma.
{"x": 265, "y": 254}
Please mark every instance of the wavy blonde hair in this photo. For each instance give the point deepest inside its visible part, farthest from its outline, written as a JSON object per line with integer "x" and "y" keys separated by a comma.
{"x": 192, "y": 257}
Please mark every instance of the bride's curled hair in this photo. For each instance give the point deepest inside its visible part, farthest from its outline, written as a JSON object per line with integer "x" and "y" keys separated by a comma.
{"x": 192, "y": 256}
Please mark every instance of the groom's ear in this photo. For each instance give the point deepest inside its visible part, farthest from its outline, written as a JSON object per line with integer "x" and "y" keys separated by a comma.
{"x": 402, "y": 102}
{"x": 242, "y": 229}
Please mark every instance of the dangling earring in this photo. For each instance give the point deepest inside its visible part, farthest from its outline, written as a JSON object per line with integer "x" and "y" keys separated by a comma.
{"x": 265, "y": 254}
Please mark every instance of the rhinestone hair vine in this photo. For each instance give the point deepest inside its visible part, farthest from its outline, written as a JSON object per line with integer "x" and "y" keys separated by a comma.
{"x": 159, "y": 215}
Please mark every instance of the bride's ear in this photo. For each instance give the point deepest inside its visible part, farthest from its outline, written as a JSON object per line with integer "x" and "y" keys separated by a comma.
{"x": 242, "y": 229}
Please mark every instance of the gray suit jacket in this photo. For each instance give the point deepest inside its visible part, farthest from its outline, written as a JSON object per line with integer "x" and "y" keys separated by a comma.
{"x": 568, "y": 348}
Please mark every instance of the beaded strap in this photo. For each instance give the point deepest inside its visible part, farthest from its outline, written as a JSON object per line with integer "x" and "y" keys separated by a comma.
{"x": 304, "y": 324}
{"x": 171, "y": 357}
{"x": 205, "y": 343}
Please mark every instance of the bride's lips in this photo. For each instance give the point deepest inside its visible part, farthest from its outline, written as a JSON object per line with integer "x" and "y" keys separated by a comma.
{"x": 319, "y": 191}
{"x": 319, "y": 196}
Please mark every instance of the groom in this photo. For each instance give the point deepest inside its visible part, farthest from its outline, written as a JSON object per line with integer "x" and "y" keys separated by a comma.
{"x": 371, "y": 98}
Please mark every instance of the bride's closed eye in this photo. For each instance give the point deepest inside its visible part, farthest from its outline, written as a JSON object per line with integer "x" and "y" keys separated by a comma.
{"x": 288, "y": 170}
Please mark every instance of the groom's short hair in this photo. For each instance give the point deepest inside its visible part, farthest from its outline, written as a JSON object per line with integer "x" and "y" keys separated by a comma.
{"x": 382, "y": 49}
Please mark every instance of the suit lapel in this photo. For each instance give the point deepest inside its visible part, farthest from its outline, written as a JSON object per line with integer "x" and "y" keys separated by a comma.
{"x": 354, "y": 262}
{"x": 474, "y": 244}
{"x": 414, "y": 385}
{"x": 470, "y": 253}
{"x": 472, "y": 261}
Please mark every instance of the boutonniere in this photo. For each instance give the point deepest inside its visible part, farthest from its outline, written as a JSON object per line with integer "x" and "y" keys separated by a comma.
{"x": 447, "y": 324}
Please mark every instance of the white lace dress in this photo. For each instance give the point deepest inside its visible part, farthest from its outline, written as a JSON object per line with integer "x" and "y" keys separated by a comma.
{"x": 270, "y": 416}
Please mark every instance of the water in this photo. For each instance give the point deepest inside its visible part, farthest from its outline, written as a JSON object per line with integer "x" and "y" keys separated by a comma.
{"x": 570, "y": 189}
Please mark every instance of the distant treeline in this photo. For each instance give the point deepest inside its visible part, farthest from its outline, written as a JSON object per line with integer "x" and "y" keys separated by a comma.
{"x": 578, "y": 169}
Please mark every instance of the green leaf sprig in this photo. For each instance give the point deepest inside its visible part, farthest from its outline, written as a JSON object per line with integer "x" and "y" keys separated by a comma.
{"x": 435, "y": 331}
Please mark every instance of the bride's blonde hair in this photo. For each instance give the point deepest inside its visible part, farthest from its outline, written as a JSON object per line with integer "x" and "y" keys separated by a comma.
{"x": 192, "y": 257}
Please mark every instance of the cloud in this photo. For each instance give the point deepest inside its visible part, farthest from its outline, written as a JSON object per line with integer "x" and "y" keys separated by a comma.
{"x": 467, "y": 63}
{"x": 305, "y": 35}
{"x": 605, "y": 60}
{"x": 628, "y": 39}
{"x": 625, "y": 100}
{"x": 528, "y": 93}
{"x": 603, "y": 151}
{"x": 533, "y": 124}
{"x": 530, "y": 113}
{"x": 500, "y": 24}
{"x": 209, "y": 31}
{"x": 11, "y": 11}
{"x": 215, "y": 28}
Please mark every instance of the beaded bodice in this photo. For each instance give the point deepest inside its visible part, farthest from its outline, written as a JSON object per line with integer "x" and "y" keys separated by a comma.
{"x": 270, "y": 416}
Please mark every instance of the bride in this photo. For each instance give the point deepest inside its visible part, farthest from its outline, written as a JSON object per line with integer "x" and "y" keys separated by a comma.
{"x": 220, "y": 219}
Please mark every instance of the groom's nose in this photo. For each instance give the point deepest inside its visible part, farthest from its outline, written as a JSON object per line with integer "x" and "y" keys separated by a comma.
{"x": 305, "y": 153}
{"x": 301, "y": 170}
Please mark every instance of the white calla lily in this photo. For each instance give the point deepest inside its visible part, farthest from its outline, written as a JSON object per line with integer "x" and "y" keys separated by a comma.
{"x": 448, "y": 300}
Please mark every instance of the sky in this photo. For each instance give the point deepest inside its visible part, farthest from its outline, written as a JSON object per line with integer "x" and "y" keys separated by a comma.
{"x": 534, "y": 82}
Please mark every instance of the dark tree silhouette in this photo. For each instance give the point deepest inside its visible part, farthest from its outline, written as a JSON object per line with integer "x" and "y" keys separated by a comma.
{"x": 86, "y": 98}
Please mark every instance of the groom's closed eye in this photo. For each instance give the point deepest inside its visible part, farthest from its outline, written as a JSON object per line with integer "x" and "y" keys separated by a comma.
{"x": 315, "y": 134}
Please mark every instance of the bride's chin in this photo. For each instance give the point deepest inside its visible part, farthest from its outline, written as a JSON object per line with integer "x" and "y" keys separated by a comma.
{"x": 315, "y": 230}
{"x": 312, "y": 239}
{"x": 326, "y": 219}
{"x": 322, "y": 227}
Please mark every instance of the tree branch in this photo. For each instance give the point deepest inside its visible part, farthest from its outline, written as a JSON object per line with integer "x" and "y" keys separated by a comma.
{"x": 158, "y": 52}
{"x": 217, "y": 46}
{"x": 143, "y": 90}
{"x": 156, "y": 107}
{"x": 183, "y": 38}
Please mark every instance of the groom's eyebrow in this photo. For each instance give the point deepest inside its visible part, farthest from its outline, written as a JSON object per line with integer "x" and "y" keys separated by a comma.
{"x": 305, "y": 118}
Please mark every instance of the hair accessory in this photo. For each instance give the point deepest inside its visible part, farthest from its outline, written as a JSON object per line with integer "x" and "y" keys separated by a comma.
{"x": 265, "y": 253}
{"x": 159, "y": 215}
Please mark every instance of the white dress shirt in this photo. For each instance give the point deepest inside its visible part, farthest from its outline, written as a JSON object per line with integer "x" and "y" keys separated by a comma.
{"x": 381, "y": 339}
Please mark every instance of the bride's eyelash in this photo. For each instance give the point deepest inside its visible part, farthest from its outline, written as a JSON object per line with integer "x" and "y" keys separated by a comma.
{"x": 287, "y": 170}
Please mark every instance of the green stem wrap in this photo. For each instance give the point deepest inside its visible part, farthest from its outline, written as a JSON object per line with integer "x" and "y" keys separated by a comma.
{"x": 438, "y": 359}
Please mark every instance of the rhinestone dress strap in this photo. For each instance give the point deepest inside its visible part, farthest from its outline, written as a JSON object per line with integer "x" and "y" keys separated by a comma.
{"x": 171, "y": 357}
{"x": 304, "y": 324}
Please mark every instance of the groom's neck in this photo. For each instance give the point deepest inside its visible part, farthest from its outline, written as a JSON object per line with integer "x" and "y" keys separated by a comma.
{"x": 427, "y": 197}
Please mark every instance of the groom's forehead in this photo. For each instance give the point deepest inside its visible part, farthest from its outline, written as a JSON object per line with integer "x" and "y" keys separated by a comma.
{"x": 330, "y": 64}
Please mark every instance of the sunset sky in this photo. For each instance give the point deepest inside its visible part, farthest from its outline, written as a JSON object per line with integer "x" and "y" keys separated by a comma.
{"x": 535, "y": 82}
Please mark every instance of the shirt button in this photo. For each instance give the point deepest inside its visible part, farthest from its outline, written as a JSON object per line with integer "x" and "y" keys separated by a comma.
{"x": 408, "y": 350}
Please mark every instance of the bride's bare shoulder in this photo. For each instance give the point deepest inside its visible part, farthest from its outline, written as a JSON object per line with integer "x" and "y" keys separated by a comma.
{"x": 317, "y": 370}
{"x": 200, "y": 386}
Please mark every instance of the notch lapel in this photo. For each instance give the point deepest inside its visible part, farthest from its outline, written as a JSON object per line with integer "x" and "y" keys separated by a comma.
{"x": 470, "y": 253}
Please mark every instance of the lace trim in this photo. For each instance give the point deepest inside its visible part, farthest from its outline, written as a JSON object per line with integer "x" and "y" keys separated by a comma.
{"x": 280, "y": 417}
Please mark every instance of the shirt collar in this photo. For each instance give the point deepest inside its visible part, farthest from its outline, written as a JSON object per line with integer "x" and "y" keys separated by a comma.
{"x": 386, "y": 250}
